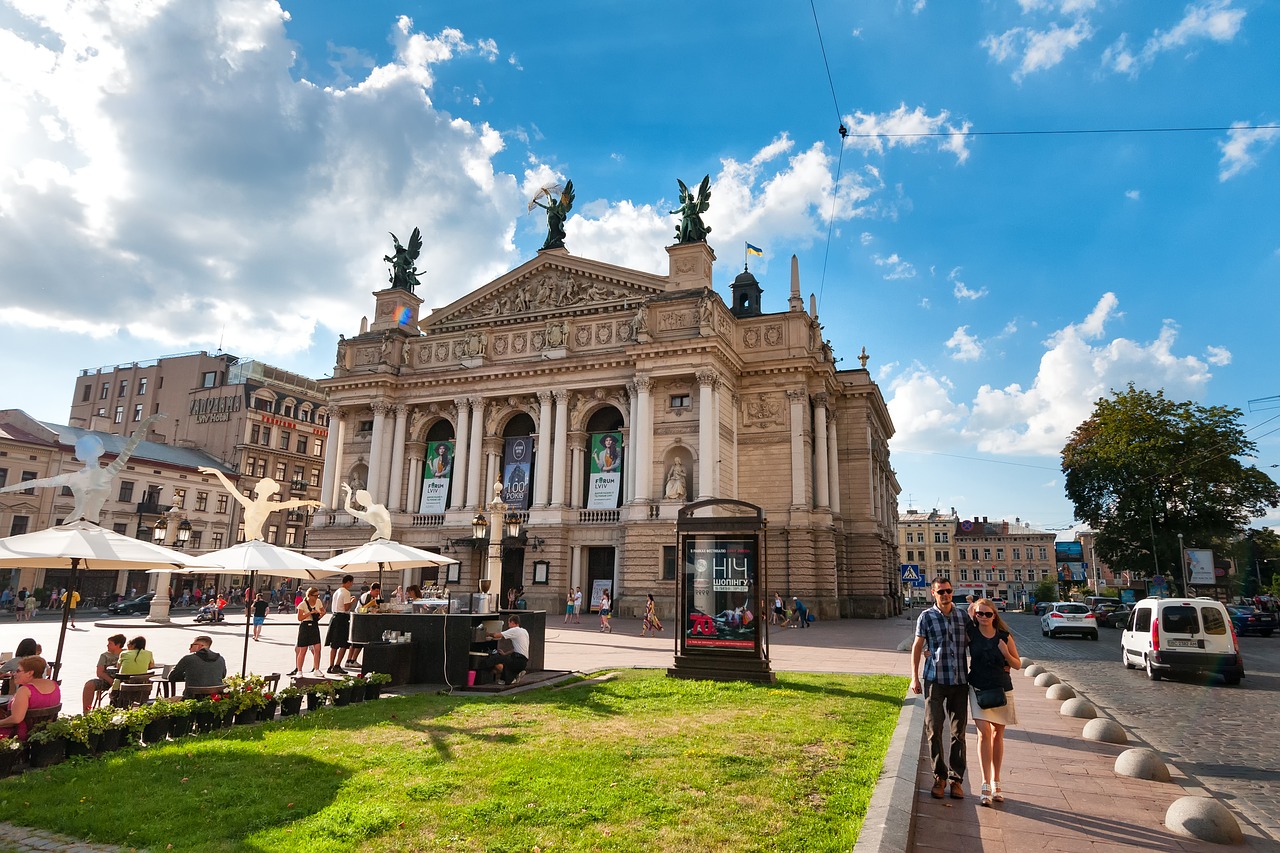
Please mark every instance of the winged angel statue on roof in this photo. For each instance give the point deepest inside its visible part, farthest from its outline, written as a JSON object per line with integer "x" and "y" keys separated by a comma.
{"x": 557, "y": 209}
{"x": 691, "y": 228}
{"x": 404, "y": 275}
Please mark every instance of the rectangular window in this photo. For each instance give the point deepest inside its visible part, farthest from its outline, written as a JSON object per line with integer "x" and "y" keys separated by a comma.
{"x": 273, "y": 532}
{"x": 126, "y": 491}
{"x": 280, "y": 472}
{"x": 317, "y": 449}
{"x": 137, "y": 413}
{"x": 4, "y": 477}
{"x": 250, "y": 464}
{"x": 180, "y": 498}
{"x": 124, "y": 388}
{"x": 315, "y": 477}
{"x": 262, "y": 405}
{"x": 262, "y": 469}
{"x": 911, "y": 537}
{"x": 240, "y": 533}
{"x": 986, "y": 555}
{"x": 202, "y": 501}
{"x": 222, "y": 504}
{"x": 1017, "y": 554}
{"x": 1017, "y": 574}
{"x": 88, "y": 392}
{"x": 964, "y": 574}
{"x": 668, "y": 562}
{"x": 209, "y": 379}
{"x": 1000, "y": 575}
{"x": 28, "y": 475}
{"x": 106, "y": 391}
{"x": 215, "y": 540}
{"x": 255, "y": 432}
{"x": 963, "y": 552}
{"x": 299, "y": 474}
{"x": 939, "y": 538}
{"x": 681, "y": 401}
{"x": 1044, "y": 554}
{"x": 989, "y": 576}
{"x": 290, "y": 536}
{"x": 142, "y": 387}
{"x": 266, "y": 436}
{"x": 19, "y": 525}
{"x": 119, "y": 414}
{"x": 194, "y": 542}
{"x": 285, "y": 437}
{"x": 122, "y": 529}
{"x": 999, "y": 554}
{"x": 942, "y": 556}
{"x": 302, "y": 444}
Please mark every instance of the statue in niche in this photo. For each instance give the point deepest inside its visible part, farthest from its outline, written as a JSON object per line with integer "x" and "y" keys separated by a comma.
{"x": 676, "y": 489}
{"x": 257, "y": 511}
{"x": 375, "y": 514}
{"x": 556, "y": 335}
{"x": 557, "y": 209}
{"x": 641, "y": 324}
{"x": 91, "y": 485}
{"x": 691, "y": 228}
{"x": 342, "y": 362}
{"x": 404, "y": 276}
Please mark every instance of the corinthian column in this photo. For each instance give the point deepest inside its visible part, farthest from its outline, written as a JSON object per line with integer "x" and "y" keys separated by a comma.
{"x": 821, "y": 469}
{"x": 798, "y": 400}
{"x": 475, "y": 494}
{"x": 560, "y": 453}
{"x": 542, "y": 472}
{"x": 707, "y": 429}
{"x": 332, "y": 458}
{"x": 377, "y": 446}
{"x": 462, "y": 437}
{"x": 643, "y": 439}
{"x": 397, "y": 457}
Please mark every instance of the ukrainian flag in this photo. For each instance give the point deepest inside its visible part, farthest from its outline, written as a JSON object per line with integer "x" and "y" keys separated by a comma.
{"x": 754, "y": 250}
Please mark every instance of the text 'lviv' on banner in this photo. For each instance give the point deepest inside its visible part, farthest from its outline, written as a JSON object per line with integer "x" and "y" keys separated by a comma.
{"x": 437, "y": 474}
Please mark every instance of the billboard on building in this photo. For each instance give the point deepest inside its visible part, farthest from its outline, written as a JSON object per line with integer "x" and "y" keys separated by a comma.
{"x": 606, "y": 470}
{"x": 517, "y": 462}
{"x": 1200, "y": 565}
{"x": 437, "y": 474}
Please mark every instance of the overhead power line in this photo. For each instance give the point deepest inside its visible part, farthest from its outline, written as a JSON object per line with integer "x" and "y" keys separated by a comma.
{"x": 1065, "y": 132}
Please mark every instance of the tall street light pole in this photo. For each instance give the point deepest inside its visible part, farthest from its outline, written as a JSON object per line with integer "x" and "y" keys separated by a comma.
{"x": 182, "y": 533}
{"x": 1182, "y": 558}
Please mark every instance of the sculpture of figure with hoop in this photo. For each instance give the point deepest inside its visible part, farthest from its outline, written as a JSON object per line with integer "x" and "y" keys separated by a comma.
{"x": 375, "y": 514}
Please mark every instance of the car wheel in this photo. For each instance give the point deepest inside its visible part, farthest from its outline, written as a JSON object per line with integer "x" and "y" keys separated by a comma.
{"x": 1044, "y": 632}
{"x": 1094, "y": 636}
{"x": 1231, "y": 680}
{"x": 1266, "y": 633}
{"x": 1152, "y": 672}
{"x": 1124, "y": 658}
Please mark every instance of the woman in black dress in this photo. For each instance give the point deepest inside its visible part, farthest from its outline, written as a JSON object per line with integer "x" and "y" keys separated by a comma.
{"x": 309, "y": 612}
{"x": 992, "y": 654}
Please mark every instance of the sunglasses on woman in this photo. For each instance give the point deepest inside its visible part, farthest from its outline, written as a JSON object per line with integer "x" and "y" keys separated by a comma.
{"x": 983, "y": 614}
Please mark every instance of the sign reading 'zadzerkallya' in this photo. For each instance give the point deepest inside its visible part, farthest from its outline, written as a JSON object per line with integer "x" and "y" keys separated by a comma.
{"x": 215, "y": 408}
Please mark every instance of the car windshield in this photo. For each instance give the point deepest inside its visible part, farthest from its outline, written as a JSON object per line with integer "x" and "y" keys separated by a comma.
{"x": 1072, "y": 608}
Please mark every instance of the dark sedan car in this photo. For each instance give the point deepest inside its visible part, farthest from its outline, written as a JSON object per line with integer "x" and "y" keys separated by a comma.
{"x": 1251, "y": 620}
{"x": 1114, "y": 617}
{"x": 141, "y": 604}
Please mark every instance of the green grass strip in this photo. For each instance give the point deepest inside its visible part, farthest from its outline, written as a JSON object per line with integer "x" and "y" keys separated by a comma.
{"x": 639, "y": 762}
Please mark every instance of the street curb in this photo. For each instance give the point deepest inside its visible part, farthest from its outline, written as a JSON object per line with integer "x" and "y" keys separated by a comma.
{"x": 890, "y": 822}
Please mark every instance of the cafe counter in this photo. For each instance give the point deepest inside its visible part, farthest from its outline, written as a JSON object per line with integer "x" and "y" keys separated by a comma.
{"x": 441, "y": 644}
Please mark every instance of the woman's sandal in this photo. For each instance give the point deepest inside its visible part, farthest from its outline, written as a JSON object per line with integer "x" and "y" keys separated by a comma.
{"x": 986, "y": 794}
{"x": 995, "y": 792}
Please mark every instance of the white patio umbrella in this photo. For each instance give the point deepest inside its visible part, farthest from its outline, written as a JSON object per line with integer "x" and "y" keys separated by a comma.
{"x": 84, "y": 546}
{"x": 252, "y": 558}
{"x": 385, "y": 554}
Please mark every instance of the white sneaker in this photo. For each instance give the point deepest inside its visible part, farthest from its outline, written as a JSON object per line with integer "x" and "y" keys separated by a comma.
{"x": 519, "y": 675}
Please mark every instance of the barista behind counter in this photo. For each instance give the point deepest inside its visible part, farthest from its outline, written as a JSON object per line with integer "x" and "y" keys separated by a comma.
{"x": 442, "y": 642}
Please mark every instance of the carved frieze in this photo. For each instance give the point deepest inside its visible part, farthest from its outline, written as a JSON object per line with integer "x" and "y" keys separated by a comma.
{"x": 668, "y": 320}
{"x": 545, "y": 291}
{"x": 762, "y": 410}
{"x": 500, "y": 345}
{"x": 751, "y": 338}
{"x": 773, "y": 334}
{"x": 604, "y": 333}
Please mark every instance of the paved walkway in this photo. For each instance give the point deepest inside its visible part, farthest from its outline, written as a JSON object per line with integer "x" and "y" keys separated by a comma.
{"x": 1062, "y": 793}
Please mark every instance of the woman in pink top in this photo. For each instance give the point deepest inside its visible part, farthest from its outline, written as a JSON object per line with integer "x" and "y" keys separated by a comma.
{"x": 33, "y": 691}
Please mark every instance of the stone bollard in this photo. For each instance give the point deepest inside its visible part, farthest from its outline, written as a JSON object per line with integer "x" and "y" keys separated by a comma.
{"x": 1046, "y": 679}
{"x": 1033, "y": 670}
{"x": 905, "y": 645}
{"x": 1105, "y": 731}
{"x": 1142, "y": 763}
{"x": 1203, "y": 818}
{"x": 1026, "y": 662}
{"x": 1078, "y": 708}
{"x": 1059, "y": 691}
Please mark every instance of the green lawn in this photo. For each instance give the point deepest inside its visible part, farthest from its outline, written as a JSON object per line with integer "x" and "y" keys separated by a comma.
{"x": 640, "y": 762}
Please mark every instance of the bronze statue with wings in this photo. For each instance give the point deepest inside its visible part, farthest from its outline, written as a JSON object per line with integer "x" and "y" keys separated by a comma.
{"x": 404, "y": 276}
{"x": 691, "y": 228}
{"x": 557, "y": 211}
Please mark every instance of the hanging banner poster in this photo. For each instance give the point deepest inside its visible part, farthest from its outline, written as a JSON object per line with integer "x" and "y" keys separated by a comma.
{"x": 517, "y": 463}
{"x": 1200, "y": 565}
{"x": 720, "y": 593}
{"x": 606, "y": 470}
{"x": 437, "y": 473}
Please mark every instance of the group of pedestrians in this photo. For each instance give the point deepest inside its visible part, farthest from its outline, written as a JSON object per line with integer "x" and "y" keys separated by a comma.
{"x": 573, "y": 605}
{"x": 967, "y": 663}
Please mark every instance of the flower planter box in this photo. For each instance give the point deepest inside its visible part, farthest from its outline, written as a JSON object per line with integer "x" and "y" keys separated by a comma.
{"x": 290, "y": 706}
{"x": 357, "y": 692}
{"x": 9, "y": 760}
{"x": 181, "y": 726}
{"x": 48, "y": 753}
{"x": 342, "y": 696}
{"x": 268, "y": 713}
{"x": 156, "y": 731}
{"x": 206, "y": 721}
{"x": 372, "y": 691}
{"x": 314, "y": 701}
{"x": 112, "y": 739}
{"x": 75, "y": 747}
{"x": 245, "y": 718}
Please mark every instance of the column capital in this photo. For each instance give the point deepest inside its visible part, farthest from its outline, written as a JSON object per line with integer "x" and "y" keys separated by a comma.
{"x": 399, "y": 410}
{"x": 379, "y": 407}
{"x": 561, "y": 397}
{"x": 820, "y": 399}
{"x": 643, "y": 384}
{"x": 708, "y": 378}
{"x": 544, "y": 398}
{"x": 796, "y": 395}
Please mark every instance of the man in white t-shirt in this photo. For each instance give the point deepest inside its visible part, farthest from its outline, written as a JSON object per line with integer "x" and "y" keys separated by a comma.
{"x": 339, "y": 638}
{"x": 509, "y": 667}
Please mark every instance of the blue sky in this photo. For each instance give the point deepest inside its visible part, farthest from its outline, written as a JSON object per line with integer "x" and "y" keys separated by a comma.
{"x": 178, "y": 176}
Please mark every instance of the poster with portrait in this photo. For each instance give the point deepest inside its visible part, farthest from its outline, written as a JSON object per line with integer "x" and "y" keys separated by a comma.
{"x": 517, "y": 466}
{"x": 720, "y": 593}
{"x": 437, "y": 474}
{"x": 1200, "y": 565}
{"x": 605, "y": 485}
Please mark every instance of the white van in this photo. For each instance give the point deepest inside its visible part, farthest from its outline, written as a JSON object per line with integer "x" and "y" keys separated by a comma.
{"x": 1175, "y": 635}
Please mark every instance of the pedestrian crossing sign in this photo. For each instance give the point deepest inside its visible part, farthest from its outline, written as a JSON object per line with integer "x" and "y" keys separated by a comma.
{"x": 911, "y": 574}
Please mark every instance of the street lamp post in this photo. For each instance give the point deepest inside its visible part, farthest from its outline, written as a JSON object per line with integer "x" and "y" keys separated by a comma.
{"x": 499, "y": 524}
{"x": 1182, "y": 559}
{"x": 182, "y": 533}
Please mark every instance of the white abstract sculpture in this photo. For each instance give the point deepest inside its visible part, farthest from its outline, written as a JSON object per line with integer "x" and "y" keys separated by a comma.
{"x": 375, "y": 514}
{"x": 257, "y": 510}
{"x": 91, "y": 485}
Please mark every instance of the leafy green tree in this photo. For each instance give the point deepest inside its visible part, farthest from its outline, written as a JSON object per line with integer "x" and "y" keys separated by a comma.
{"x": 1143, "y": 469}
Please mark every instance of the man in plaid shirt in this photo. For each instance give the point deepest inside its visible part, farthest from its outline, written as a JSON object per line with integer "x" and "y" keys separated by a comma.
{"x": 941, "y": 630}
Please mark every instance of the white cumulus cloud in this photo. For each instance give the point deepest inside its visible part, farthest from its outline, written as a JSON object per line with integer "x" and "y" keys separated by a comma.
{"x": 964, "y": 346}
{"x": 1213, "y": 20}
{"x": 1242, "y": 148}
{"x": 1037, "y": 50}
{"x": 908, "y": 129}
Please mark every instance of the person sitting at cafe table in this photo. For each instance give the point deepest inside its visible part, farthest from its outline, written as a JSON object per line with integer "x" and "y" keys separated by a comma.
{"x": 136, "y": 660}
{"x": 202, "y": 667}
{"x": 33, "y": 692}
{"x": 26, "y": 647}
{"x": 101, "y": 681}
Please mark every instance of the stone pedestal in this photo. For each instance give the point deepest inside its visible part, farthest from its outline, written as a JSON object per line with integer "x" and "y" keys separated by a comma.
{"x": 690, "y": 266}
{"x": 395, "y": 309}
